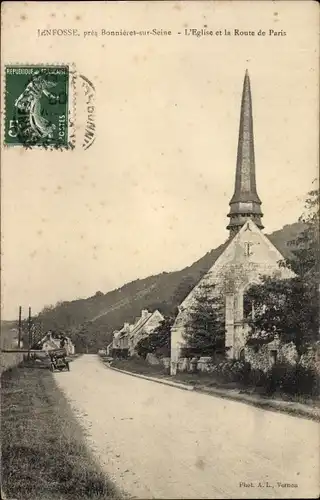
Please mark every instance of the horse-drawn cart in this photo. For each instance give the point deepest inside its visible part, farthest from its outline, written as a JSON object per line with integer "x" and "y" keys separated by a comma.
{"x": 58, "y": 360}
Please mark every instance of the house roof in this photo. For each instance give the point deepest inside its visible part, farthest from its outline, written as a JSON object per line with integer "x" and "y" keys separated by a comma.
{"x": 50, "y": 343}
{"x": 123, "y": 334}
{"x": 47, "y": 338}
{"x": 143, "y": 322}
{"x": 139, "y": 324}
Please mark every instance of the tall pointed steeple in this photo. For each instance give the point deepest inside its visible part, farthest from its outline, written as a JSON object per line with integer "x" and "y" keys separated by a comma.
{"x": 245, "y": 203}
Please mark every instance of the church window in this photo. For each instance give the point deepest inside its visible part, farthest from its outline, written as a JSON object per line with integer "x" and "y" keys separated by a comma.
{"x": 247, "y": 248}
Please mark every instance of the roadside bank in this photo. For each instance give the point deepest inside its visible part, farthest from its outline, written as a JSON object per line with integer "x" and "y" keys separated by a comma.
{"x": 44, "y": 454}
{"x": 203, "y": 383}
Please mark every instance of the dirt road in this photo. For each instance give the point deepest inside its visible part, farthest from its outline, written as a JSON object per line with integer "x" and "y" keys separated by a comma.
{"x": 157, "y": 441}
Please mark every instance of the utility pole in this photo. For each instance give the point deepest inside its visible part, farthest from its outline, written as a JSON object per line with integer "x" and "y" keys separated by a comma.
{"x": 19, "y": 327}
{"x": 29, "y": 333}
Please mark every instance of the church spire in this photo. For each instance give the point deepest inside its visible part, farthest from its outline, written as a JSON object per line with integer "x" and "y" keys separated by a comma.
{"x": 245, "y": 203}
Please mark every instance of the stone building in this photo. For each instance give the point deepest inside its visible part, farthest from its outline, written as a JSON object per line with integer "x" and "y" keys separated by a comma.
{"x": 50, "y": 342}
{"x": 121, "y": 337}
{"x": 144, "y": 325}
{"x": 128, "y": 337}
{"x": 245, "y": 257}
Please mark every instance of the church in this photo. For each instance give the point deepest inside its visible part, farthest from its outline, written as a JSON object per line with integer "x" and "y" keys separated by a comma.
{"x": 245, "y": 257}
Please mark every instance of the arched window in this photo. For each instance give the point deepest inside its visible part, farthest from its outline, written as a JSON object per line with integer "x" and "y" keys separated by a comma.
{"x": 242, "y": 354}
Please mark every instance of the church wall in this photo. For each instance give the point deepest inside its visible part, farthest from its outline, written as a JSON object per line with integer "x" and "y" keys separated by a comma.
{"x": 262, "y": 359}
{"x": 249, "y": 255}
{"x": 229, "y": 318}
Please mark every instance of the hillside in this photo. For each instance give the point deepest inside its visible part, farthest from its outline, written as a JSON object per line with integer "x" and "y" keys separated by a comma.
{"x": 90, "y": 322}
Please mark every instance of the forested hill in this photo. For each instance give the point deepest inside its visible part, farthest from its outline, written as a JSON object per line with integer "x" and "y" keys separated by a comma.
{"x": 90, "y": 321}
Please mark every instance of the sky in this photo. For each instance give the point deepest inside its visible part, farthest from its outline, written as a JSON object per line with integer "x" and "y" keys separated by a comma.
{"x": 152, "y": 193}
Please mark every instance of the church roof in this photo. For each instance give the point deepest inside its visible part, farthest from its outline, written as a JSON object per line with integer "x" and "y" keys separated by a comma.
{"x": 228, "y": 254}
{"x": 245, "y": 185}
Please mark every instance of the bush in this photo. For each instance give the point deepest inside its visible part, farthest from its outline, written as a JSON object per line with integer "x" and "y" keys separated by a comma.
{"x": 120, "y": 353}
{"x": 282, "y": 377}
{"x": 158, "y": 341}
{"x": 232, "y": 371}
{"x": 293, "y": 379}
{"x": 258, "y": 378}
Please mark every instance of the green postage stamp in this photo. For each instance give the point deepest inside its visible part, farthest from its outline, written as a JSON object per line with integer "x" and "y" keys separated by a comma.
{"x": 37, "y": 106}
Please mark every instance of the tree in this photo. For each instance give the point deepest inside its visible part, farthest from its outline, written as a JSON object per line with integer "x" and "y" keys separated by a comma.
{"x": 158, "y": 342}
{"x": 283, "y": 308}
{"x": 84, "y": 340}
{"x": 290, "y": 308}
{"x": 304, "y": 259}
{"x": 205, "y": 327}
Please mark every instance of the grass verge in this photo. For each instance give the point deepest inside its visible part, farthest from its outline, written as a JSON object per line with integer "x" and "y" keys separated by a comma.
{"x": 300, "y": 406}
{"x": 44, "y": 455}
{"x": 140, "y": 366}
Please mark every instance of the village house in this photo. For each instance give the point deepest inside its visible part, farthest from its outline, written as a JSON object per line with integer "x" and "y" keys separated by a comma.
{"x": 144, "y": 325}
{"x": 51, "y": 341}
{"x": 109, "y": 348}
{"x": 246, "y": 255}
{"x": 125, "y": 340}
{"x": 120, "y": 340}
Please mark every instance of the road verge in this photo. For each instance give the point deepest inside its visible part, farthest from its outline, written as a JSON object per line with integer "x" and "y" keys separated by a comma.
{"x": 44, "y": 453}
{"x": 289, "y": 407}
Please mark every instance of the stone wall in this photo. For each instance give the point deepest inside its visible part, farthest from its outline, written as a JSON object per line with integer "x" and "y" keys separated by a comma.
{"x": 262, "y": 357}
{"x": 9, "y": 340}
{"x": 9, "y": 360}
{"x": 311, "y": 359}
{"x": 205, "y": 364}
{"x": 152, "y": 359}
{"x": 165, "y": 362}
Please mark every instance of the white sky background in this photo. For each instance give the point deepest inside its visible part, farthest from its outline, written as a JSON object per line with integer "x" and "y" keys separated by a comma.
{"x": 152, "y": 194}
